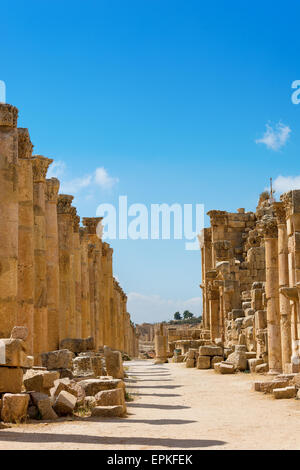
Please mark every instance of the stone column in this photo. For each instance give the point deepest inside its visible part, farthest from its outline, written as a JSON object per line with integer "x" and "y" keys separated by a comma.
{"x": 107, "y": 274}
{"x": 291, "y": 201}
{"x": 284, "y": 302}
{"x": 270, "y": 230}
{"x": 206, "y": 265}
{"x": 213, "y": 298}
{"x": 9, "y": 218}
{"x": 65, "y": 214}
{"x": 25, "y": 309}
{"x": 40, "y": 166}
{"x": 77, "y": 276}
{"x": 92, "y": 228}
{"x": 85, "y": 285}
{"x": 52, "y": 259}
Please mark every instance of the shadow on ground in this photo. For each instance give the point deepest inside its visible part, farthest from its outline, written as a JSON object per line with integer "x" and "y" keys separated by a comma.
{"x": 48, "y": 438}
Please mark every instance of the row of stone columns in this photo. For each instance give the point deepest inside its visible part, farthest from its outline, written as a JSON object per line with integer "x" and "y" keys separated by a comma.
{"x": 56, "y": 278}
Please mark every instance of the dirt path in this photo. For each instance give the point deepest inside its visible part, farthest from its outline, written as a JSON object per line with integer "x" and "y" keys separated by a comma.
{"x": 175, "y": 408}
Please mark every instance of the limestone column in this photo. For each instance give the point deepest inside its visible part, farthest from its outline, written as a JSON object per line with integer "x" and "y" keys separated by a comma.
{"x": 214, "y": 317}
{"x": 284, "y": 302}
{"x": 107, "y": 275}
{"x": 270, "y": 230}
{"x": 77, "y": 276}
{"x": 25, "y": 309}
{"x": 9, "y": 218}
{"x": 97, "y": 310}
{"x": 65, "y": 243}
{"x": 52, "y": 259}
{"x": 40, "y": 166}
{"x": 85, "y": 285}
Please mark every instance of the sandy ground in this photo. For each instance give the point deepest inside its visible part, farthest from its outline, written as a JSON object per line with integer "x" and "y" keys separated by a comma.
{"x": 175, "y": 408}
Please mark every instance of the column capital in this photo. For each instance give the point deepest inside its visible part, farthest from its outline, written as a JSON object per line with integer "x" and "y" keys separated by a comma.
{"x": 280, "y": 212}
{"x": 217, "y": 217}
{"x": 40, "y": 167}
{"x": 76, "y": 222}
{"x": 24, "y": 144}
{"x": 268, "y": 226}
{"x": 8, "y": 115}
{"x": 64, "y": 202}
{"x": 52, "y": 188}
{"x": 91, "y": 223}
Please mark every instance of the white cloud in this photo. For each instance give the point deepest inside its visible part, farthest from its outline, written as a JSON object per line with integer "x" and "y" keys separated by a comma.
{"x": 286, "y": 183}
{"x": 103, "y": 179}
{"x": 154, "y": 308}
{"x": 56, "y": 169}
{"x": 275, "y": 137}
{"x": 99, "y": 177}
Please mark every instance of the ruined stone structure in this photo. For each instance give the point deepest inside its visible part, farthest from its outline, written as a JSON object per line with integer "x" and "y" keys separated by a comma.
{"x": 56, "y": 278}
{"x": 251, "y": 282}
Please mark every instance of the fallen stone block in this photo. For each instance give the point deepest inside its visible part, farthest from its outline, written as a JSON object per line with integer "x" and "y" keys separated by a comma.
{"x": 60, "y": 359}
{"x": 178, "y": 358}
{"x": 65, "y": 403}
{"x": 226, "y": 368}
{"x": 262, "y": 368}
{"x": 33, "y": 412}
{"x": 92, "y": 386}
{"x": 44, "y": 405}
{"x": 15, "y": 353}
{"x": 238, "y": 359}
{"x": 215, "y": 360}
{"x": 77, "y": 345}
{"x": 11, "y": 379}
{"x": 82, "y": 366}
{"x": 190, "y": 363}
{"x": 269, "y": 385}
{"x": 287, "y": 392}
{"x": 111, "y": 398}
{"x": 19, "y": 332}
{"x": 97, "y": 366}
{"x": 14, "y": 407}
{"x": 252, "y": 363}
{"x": 69, "y": 386}
{"x": 40, "y": 381}
{"x": 210, "y": 351}
{"x": 113, "y": 362}
{"x": 107, "y": 411}
{"x": 203, "y": 362}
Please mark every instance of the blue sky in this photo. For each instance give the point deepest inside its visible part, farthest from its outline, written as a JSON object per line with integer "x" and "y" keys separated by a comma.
{"x": 170, "y": 98}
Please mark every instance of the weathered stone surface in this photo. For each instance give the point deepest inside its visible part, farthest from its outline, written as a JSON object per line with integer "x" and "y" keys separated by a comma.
{"x": 111, "y": 398}
{"x": 77, "y": 345}
{"x": 97, "y": 366}
{"x": 40, "y": 381}
{"x": 114, "y": 363}
{"x": 44, "y": 405}
{"x": 69, "y": 386}
{"x": 60, "y": 359}
{"x": 108, "y": 411}
{"x": 19, "y": 332}
{"x": 262, "y": 368}
{"x": 215, "y": 360}
{"x": 269, "y": 385}
{"x": 15, "y": 353}
{"x": 11, "y": 379}
{"x": 287, "y": 392}
{"x": 252, "y": 363}
{"x": 14, "y": 407}
{"x": 210, "y": 351}
{"x": 238, "y": 359}
{"x": 82, "y": 366}
{"x": 65, "y": 403}
{"x": 93, "y": 386}
{"x": 190, "y": 363}
{"x": 226, "y": 368}
{"x": 203, "y": 362}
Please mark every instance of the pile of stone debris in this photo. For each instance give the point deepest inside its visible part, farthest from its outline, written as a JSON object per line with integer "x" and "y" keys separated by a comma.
{"x": 72, "y": 380}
